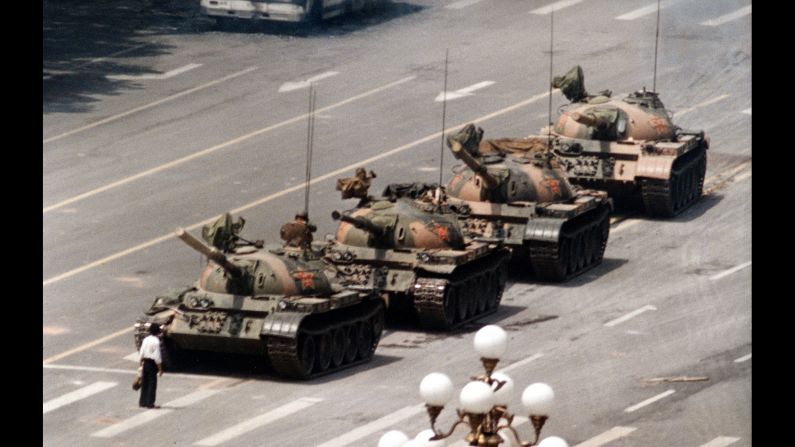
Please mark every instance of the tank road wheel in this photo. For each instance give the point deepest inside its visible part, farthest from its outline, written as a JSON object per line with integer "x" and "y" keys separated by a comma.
{"x": 450, "y": 303}
{"x": 338, "y": 342}
{"x": 323, "y": 342}
{"x": 364, "y": 339}
{"x": 350, "y": 343}
{"x": 475, "y": 294}
{"x": 484, "y": 293}
{"x": 377, "y": 325}
{"x": 492, "y": 290}
{"x": 306, "y": 354}
{"x": 464, "y": 295}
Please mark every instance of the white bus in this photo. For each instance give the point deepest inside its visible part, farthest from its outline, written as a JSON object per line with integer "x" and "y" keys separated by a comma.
{"x": 282, "y": 10}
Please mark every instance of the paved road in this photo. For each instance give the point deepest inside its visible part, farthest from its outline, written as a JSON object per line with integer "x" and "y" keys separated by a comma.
{"x": 153, "y": 120}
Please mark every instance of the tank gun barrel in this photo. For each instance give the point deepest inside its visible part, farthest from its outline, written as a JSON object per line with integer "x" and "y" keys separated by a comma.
{"x": 589, "y": 120}
{"x": 360, "y": 223}
{"x": 475, "y": 165}
{"x": 210, "y": 252}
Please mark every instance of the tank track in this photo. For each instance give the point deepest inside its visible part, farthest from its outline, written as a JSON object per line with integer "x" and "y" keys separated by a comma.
{"x": 473, "y": 292}
{"x": 580, "y": 247}
{"x": 667, "y": 198}
{"x": 329, "y": 343}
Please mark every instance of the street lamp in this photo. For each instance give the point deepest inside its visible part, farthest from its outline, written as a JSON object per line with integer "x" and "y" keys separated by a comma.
{"x": 484, "y": 404}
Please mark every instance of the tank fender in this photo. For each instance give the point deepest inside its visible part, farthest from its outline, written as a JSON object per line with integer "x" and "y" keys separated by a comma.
{"x": 658, "y": 167}
{"x": 282, "y": 324}
{"x": 543, "y": 229}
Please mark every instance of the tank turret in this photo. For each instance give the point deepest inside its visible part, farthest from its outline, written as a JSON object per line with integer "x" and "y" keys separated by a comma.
{"x": 516, "y": 190}
{"x": 629, "y": 147}
{"x": 410, "y": 247}
{"x": 280, "y": 302}
{"x": 360, "y": 223}
{"x": 211, "y": 253}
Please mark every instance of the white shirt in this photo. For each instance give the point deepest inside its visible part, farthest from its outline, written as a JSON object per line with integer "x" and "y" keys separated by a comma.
{"x": 150, "y": 349}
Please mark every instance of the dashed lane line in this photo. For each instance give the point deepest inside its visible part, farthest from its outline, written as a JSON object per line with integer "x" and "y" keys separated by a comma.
{"x": 143, "y": 107}
{"x": 298, "y": 187}
{"x": 608, "y": 436}
{"x": 702, "y": 104}
{"x": 555, "y": 6}
{"x": 223, "y": 145}
{"x": 374, "y": 426}
{"x": 462, "y": 4}
{"x": 743, "y": 358}
{"x": 721, "y": 441}
{"x": 726, "y": 18}
{"x": 730, "y": 271}
{"x": 129, "y": 372}
{"x": 155, "y": 77}
{"x": 646, "y": 10}
{"x": 150, "y": 415}
{"x": 88, "y": 345}
{"x": 649, "y": 401}
{"x": 630, "y": 315}
{"x": 74, "y": 396}
{"x": 258, "y": 421}
{"x": 522, "y": 362}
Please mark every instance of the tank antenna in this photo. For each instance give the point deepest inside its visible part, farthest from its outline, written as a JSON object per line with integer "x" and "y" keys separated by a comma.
{"x": 549, "y": 110}
{"x": 444, "y": 115}
{"x": 310, "y": 135}
{"x": 656, "y": 39}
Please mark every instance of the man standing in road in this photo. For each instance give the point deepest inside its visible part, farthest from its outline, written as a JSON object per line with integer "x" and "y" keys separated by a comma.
{"x": 152, "y": 364}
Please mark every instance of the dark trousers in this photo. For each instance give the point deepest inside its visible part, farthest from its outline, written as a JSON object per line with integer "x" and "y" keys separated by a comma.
{"x": 148, "y": 384}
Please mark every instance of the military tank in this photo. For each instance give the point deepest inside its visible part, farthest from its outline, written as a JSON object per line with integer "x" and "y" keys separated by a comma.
{"x": 629, "y": 147}
{"x": 414, "y": 251}
{"x": 516, "y": 191}
{"x": 278, "y": 302}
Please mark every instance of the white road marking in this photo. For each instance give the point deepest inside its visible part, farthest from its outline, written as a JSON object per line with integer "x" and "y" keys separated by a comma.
{"x": 623, "y": 225}
{"x": 132, "y": 357}
{"x": 742, "y": 12}
{"x": 379, "y": 424}
{"x": 88, "y": 345}
{"x": 648, "y": 401}
{"x": 298, "y": 187}
{"x": 118, "y": 53}
{"x": 555, "y": 6}
{"x": 730, "y": 271}
{"x": 130, "y": 372}
{"x": 76, "y": 395}
{"x": 150, "y": 415}
{"x": 460, "y": 93}
{"x": 632, "y": 314}
{"x": 154, "y": 77}
{"x": 290, "y": 86}
{"x": 743, "y": 358}
{"x": 462, "y": 4}
{"x": 703, "y": 104}
{"x": 258, "y": 421}
{"x": 648, "y": 9}
{"x": 144, "y": 107}
{"x": 608, "y": 436}
{"x": 721, "y": 441}
{"x": 742, "y": 176}
{"x": 522, "y": 362}
{"x": 747, "y": 111}
{"x": 204, "y": 152}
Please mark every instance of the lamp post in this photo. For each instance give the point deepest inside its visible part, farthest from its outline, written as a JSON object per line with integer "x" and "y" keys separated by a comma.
{"x": 484, "y": 403}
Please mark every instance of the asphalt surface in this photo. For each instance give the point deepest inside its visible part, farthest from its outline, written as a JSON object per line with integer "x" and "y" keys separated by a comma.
{"x": 128, "y": 158}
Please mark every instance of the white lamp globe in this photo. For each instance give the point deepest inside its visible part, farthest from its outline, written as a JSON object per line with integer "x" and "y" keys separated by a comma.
{"x": 424, "y": 438}
{"x": 477, "y": 397}
{"x": 502, "y": 395}
{"x": 393, "y": 438}
{"x": 413, "y": 443}
{"x": 491, "y": 342}
{"x": 538, "y": 399}
{"x": 553, "y": 441}
{"x": 436, "y": 389}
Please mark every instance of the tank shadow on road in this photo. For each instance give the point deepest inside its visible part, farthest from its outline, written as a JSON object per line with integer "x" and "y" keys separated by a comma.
{"x": 243, "y": 367}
